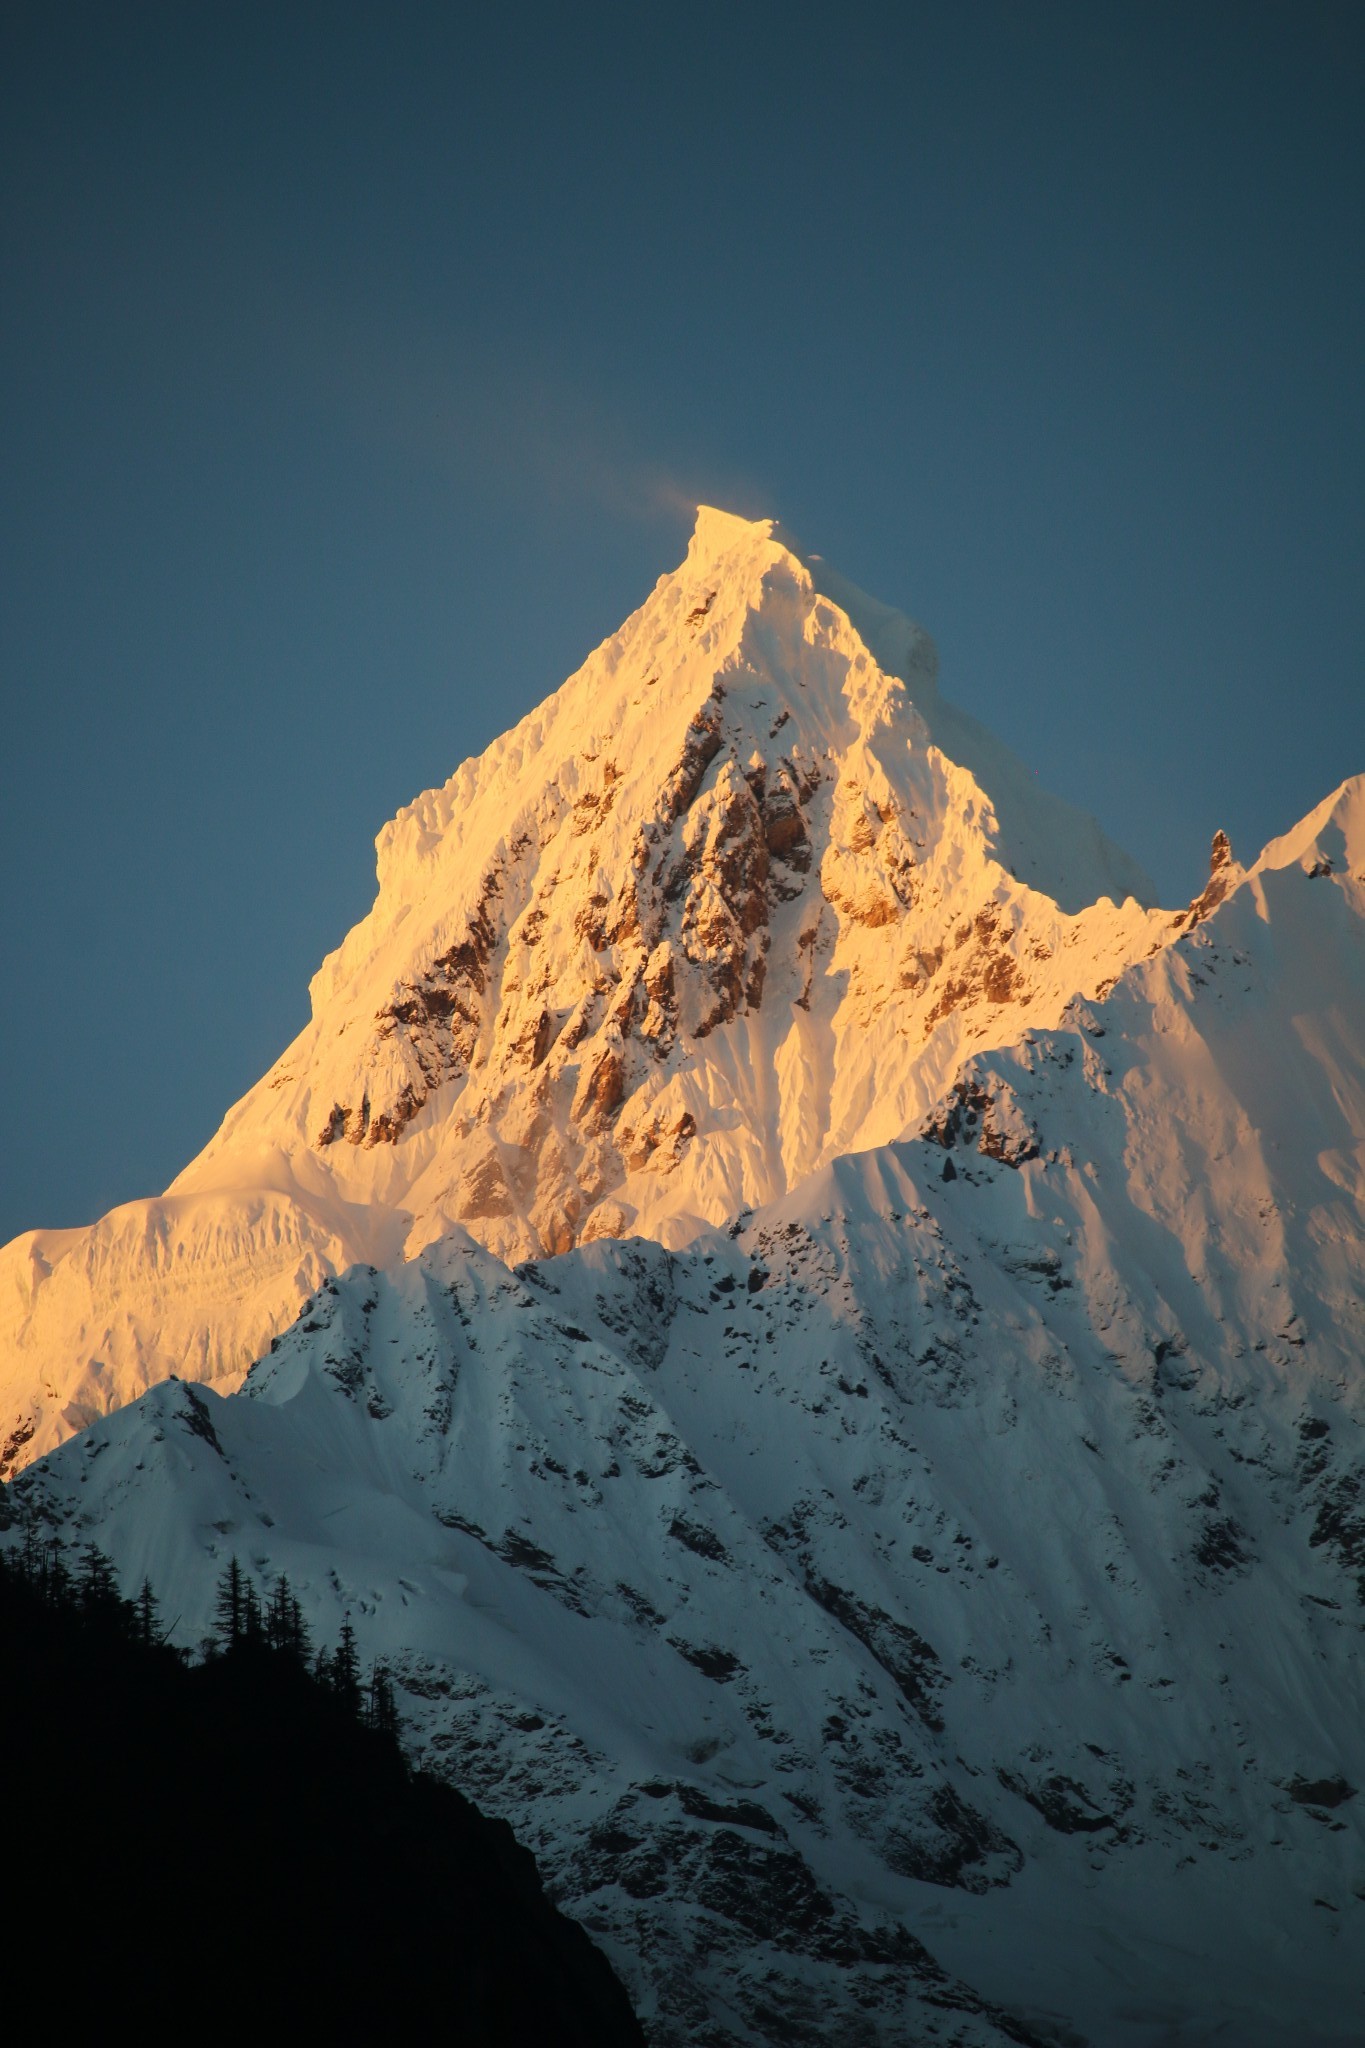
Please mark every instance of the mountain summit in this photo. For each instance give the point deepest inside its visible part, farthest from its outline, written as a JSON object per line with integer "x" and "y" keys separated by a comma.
{"x": 735, "y": 900}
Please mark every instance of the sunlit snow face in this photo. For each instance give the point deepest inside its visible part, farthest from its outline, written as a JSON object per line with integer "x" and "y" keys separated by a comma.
{"x": 739, "y": 899}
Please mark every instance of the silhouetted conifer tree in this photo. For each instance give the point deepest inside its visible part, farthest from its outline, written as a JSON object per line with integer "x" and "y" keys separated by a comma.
{"x": 253, "y": 1621}
{"x": 148, "y": 1606}
{"x": 229, "y": 1606}
{"x": 285, "y": 1628}
{"x": 345, "y": 1673}
{"x": 300, "y": 1635}
{"x": 382, "y": 1708}
{"x": 56, "y": 1582}
{"x": 98, "y": 1588}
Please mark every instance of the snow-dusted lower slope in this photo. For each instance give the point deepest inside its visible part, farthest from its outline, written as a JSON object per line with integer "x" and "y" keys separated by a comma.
{"x": 737, "y": 899}
{"x": 966, "y": 1549}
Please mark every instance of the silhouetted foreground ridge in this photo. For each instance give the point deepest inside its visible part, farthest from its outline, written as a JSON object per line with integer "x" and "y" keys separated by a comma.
{"x": 231, "y": 1841}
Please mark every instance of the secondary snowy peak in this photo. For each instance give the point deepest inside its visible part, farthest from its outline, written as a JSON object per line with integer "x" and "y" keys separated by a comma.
{"x": 737, "y": 898}
{"x": 1329, "y": 841}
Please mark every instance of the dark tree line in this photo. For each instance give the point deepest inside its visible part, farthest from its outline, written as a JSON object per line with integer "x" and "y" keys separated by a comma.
{"x": 254, "y": 1789}
{"x": 84, "y": 1588}
{"x": 245, "y": 1624}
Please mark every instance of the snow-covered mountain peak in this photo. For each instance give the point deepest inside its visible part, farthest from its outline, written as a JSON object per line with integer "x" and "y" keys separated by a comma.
{"x": 1330, "y": 840}
{"x": 727, "y": 863}
{"x": 737, "y": 898}
{"x": 719, "y": 535}
{"x": 844, "y": 1408}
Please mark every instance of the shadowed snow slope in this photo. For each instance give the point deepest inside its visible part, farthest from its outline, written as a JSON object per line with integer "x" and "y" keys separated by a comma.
{"x": 737, "y": 899}
{"x": 931, "y": 1608}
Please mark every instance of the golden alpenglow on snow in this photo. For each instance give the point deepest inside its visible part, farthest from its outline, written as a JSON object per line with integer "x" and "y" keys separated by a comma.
{"x": 816, "y": 1333}
{"x": 737, "y": 899}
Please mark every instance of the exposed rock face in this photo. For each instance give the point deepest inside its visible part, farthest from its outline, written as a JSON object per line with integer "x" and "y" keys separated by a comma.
{"x": 1223, "y": 873}
{"x": 725, "y": 906}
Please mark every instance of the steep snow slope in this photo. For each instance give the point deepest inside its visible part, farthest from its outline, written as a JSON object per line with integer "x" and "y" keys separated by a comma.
{"x": 966, "y": 1548}
{"x": 736, "y": 900}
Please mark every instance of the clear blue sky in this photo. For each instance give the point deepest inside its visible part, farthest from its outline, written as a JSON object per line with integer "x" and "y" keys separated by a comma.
{"x": 357, "y": 364}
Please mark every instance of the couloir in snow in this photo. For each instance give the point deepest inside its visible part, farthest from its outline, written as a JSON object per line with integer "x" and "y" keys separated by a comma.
{"x": 828, "y": 1351}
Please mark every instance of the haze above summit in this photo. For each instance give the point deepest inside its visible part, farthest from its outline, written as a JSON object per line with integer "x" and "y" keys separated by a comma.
{"x": 358, "y": 380}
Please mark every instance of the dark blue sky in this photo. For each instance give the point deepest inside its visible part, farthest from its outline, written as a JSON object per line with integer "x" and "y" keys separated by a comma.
{"x": 357, "y": 366}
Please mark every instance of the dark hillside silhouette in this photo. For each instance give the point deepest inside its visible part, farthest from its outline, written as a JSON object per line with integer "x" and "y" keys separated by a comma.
{"x": 231, "y": 1843}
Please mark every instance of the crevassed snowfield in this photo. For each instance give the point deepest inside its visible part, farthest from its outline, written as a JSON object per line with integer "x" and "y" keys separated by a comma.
{"x": 827, "y": 1350}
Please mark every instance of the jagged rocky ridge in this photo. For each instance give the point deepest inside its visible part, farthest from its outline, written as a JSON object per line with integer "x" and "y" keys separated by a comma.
{"x": 928, "y": 1608}
{"x": 735, "y": 901}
